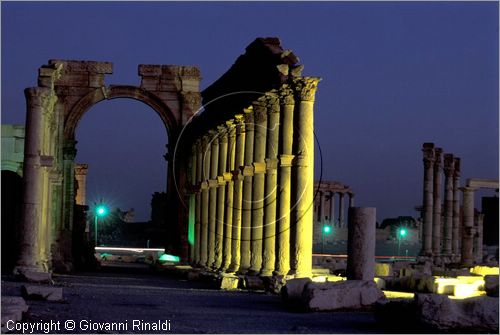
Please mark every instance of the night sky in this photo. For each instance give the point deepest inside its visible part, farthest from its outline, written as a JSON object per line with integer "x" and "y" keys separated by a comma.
{"x": 395, "y": 75}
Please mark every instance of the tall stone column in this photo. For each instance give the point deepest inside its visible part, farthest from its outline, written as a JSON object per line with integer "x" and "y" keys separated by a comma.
{"x": 341, "y": 210}
{"x": 213, "y": 184}
{"x": 272, "y": 152}
{"x": 228, "y": 178}
{"x": 332, "y": 209}
{"x": 436, "y": 219}
{"x": 238, "y": 194}
{"x": 361, "y": 243}
{"x": 468, "y": 226}
{"x": 351, "y": 199}
{"x": 304, "y": 177}
{"x": 478, "y": 238}
{"x": 321, "y": 207}
{"x": 198, "y": 205}
{"x": 259, "y": 165}
{"x": 221, "y": 197}
{"x": 205, "y": 199}
{"x": 285, "y": 174}
{"x": 247, "y": 172}
{"x": 448, "y": 205}
{"x": 456, "y": 207}
{"x": 428, "y": 198}
{"x": 30, "y": 258}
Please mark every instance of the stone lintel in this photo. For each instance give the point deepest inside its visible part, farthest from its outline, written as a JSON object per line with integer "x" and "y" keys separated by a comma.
{"x": 482, "y": 183}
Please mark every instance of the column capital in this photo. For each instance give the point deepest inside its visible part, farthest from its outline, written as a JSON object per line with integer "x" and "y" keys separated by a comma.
{"x": 456, "y": 165}
{"x": 222, "y": 133}
{"x": 249, "y": 118}
{"x": 213, "y": 137}
{"x": 449, "y": 165}
{"x": 259, "y": 110}
{"x": 286, "y": 95}
{"x": 272, "y": 102}
{"x": 305, "y": 88}
{"x": 438, "y": 155}
{"x": 286, "y": 160}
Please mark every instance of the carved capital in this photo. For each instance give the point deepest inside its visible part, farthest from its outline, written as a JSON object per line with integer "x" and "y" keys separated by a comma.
{"x": 449, "y": 164}
{"x": 456, "y": 165}
{"x": 305, "y": 88}
{"x": 259, "y": 110}
{"x": 438, "y": 155}
{"x": 272, "y": 102}
{"x": 286, "y": 95}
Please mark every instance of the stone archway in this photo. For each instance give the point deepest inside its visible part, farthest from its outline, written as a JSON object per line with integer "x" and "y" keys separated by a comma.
{"x": 66, "y": 90}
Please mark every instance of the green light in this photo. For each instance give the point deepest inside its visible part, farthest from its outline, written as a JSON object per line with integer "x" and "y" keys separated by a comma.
{"x": 101, "y": 210}
{"x": 327, "y": 229}
{"x": 402, "y": 232}
{"x": 191, "y": 220}
{"x": 169, "y": 258}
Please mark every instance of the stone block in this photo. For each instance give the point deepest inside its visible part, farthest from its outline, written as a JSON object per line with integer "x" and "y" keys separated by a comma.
{"x": 35, "y": 276}
{"x": 477, "y": 314}
{"x": 96, "y": 80}
{"x": 349, "y": 294}
{"x": 292, "y": 291}
{"x": 274, "y": 284}
{"x": 254, "y": 283}
{"x": 484, "y": 270}
{"x": 229, "y": 282}
{"x": 190, "y": 85}
{"x": 36, "y": 292}
{"x": 145, "y": 70}
{"x": 383, "y": 270}
{"x": 149, "y": 83}
{"x": 73, "y": 79}
{"x": 491, "y": 285}
{"x": 12, "y": 309}
{"x": 84, "y": 66}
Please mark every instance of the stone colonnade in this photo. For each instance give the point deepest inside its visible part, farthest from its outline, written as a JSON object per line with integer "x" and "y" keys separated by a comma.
{"x": 325, "y": 206}
{"x": 254, "y": 186}
{"x": 449, "y": 231}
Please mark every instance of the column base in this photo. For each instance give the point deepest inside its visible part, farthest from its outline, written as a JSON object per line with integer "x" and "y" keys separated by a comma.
{"x": 33, "y": 274}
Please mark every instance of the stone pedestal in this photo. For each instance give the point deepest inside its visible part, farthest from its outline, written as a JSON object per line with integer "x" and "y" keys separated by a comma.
{"x": 361, "y": 243}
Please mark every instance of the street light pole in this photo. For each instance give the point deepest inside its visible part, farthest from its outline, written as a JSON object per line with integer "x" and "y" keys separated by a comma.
{"x": 95, "y": 227}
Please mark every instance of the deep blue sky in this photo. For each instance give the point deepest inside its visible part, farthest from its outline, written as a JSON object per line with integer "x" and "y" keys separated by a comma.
{"x": 395, "y": 75}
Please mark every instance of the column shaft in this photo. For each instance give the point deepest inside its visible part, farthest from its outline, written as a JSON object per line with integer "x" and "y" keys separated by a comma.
{"x": 361, "y": 243}
{"x": 456, "y": 207}
{"x": 205, "y": 200}
{"x": 258, "y": 185}
{"x": 436, "y": 220}
{"x": 428, "y": 197}
{"x": 448, "y": 205}
{"x": 213, "y": 184}
{"x": 238, "y": 194}
{"x": 304, "y": 177}
{"x": 332, "y": 209}
{"x": 285, "y": 175}
{"x": 247, "y": 172}
{"x": 228, "y": 178}
{"x": 468, "y": 226}
{"x": 341, "y": 210}
{"x": 272, "y": 152}
{"x": 221, "y": 197}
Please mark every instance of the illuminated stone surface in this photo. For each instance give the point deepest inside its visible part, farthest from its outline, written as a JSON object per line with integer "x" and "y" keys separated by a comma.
{"x": 349, "y": 294}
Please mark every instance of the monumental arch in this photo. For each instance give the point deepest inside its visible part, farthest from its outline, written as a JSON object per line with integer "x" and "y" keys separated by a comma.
{"x": 66, "y": 90}
{"x": 243, "y": 196}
